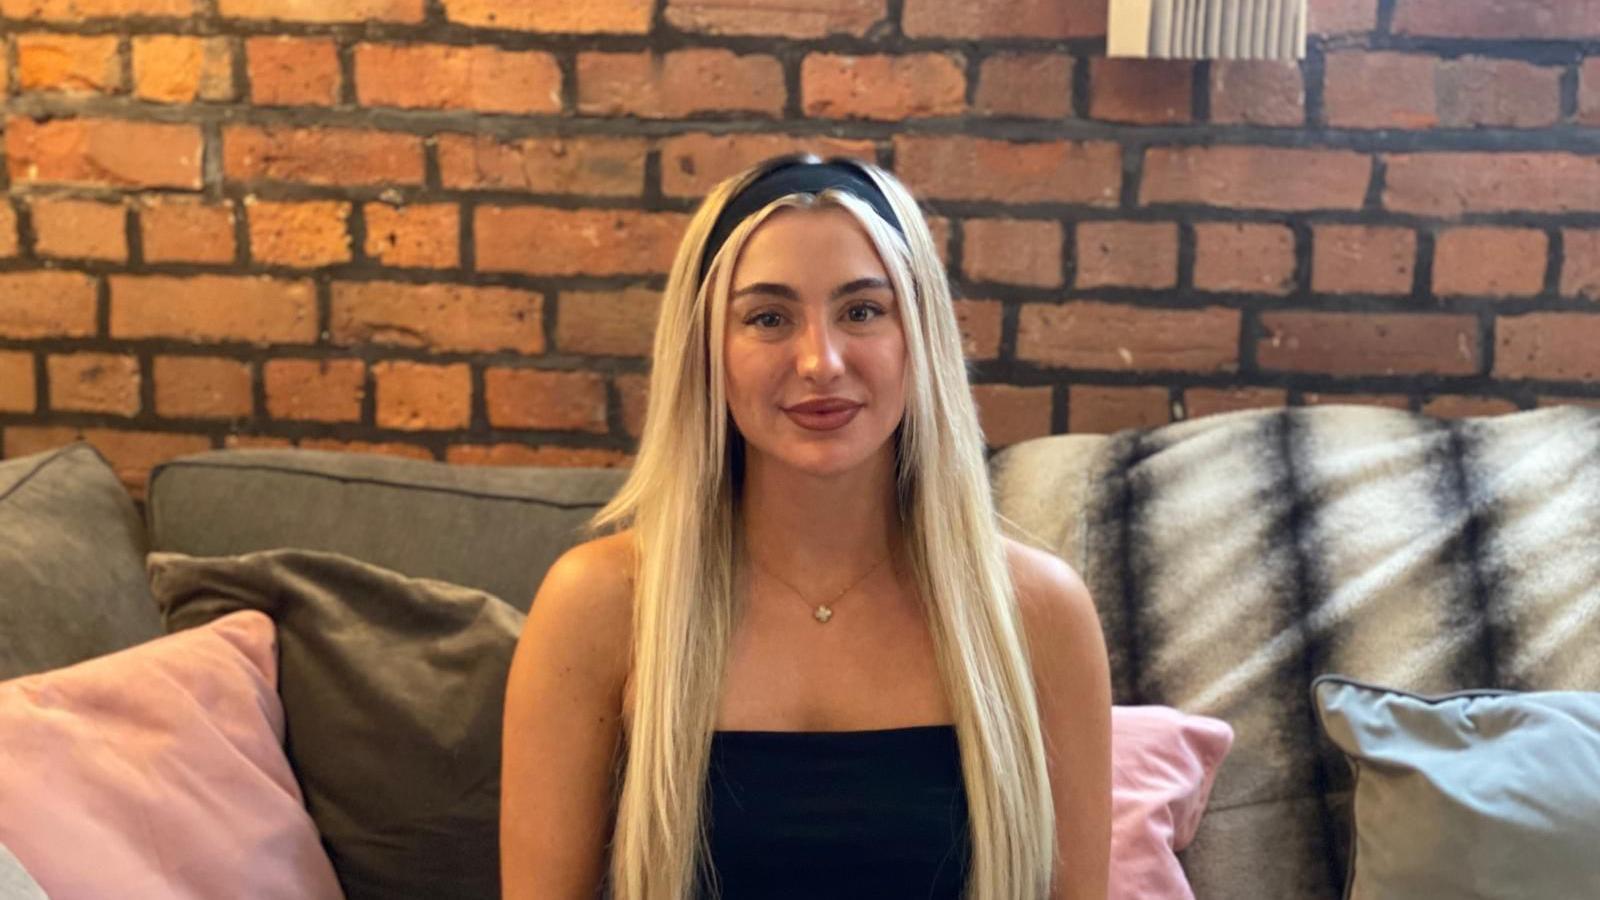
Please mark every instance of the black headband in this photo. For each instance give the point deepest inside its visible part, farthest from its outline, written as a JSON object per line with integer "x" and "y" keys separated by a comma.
{"x": 794, "y": 178}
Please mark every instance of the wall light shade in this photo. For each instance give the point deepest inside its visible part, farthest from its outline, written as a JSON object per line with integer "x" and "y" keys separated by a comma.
{"x": 1208, "y": 29}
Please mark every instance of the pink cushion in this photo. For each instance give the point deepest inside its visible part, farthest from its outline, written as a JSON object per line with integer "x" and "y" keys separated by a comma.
{"x": 159, "y": 771}
{"x": 1163, "y": 765}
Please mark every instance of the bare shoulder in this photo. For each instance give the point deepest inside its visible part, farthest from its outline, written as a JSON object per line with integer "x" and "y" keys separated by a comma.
{"x": 587, "y": 597}
{"x": 1047, "y": 587}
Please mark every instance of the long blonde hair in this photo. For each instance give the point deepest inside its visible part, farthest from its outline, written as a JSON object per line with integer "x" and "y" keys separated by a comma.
{"x": 680, "y": 500}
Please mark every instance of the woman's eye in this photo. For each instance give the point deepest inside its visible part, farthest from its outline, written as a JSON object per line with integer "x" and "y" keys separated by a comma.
{"x": 864, "y": 312}
{"x": 765, "y": 320}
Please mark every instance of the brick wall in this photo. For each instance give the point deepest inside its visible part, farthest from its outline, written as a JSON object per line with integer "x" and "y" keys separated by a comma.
{"x": 436, "y": 227}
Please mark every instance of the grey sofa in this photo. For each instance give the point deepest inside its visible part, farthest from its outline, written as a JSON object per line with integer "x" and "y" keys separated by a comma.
{"x": 1233, "y": 559}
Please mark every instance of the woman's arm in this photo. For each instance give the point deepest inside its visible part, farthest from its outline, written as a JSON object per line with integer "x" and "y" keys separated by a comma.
{"x": 563, "y": 727}
{"x": 1073, "y": 679}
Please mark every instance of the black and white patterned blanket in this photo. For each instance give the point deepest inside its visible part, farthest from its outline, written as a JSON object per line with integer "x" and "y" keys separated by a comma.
{"x": 1236, "y": 557}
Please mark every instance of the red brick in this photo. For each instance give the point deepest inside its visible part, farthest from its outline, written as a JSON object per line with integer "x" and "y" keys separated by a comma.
{"x": 980, "y": 325}
{"x": 1549, "y": 346}
{"x": 634, "y": 392}
{"x": 1013, "y": 251}
{"x": 1589, "y": 402}
{"x": 132, "y": 454}
{"x": 426, "y": 236}
{"x": 679, "y": 84}
{"x": 76, "y": 11}
{"x": 969, "y": 168}
{"x": 553, "y": 401}
{"x": 1047, "y": 19}
{"x": 184, "y": 229}
{"x": 1477, "y": 91}
{"x": 1244, "y": 256}
{"x": 1342, "y": 16}
{"x": 198, "y": 387}
{"x": 1449, "y": 406}
{"x": 1362, "y": 259}
{"x": 692, "y": 164}
{"x": 1141, "y": 91}
{"x": 17, "y": 386}
{"x": 1580, "y": 268}
{"x": 1092, "y": 409}
{"x": 549, "y": 456}
{"x": 1198, "y": 402}
{"x": 326, "y": 11}
{"x": 1255, "y": 177}
{"x": 303, "y": 235}
{"x": 80, "y": 229}
{"x": 1502, "y": 262}
{"x": 1563, "y": 20}
{"x": 69, "y": 63}
{"x": 793, "y": 19}
{"x": 884, "y": 87}
{"x": 94, "y": 382}
{"x": 1589, "y": 91}
{"x": 379, "y": 448}
{"x": 170, "y": 68}
{"x": 1369, "y": 343}
{"x": 570, "y": 16}
{"x": 255, "y": 442}
{"x": 1127, "y": 254}
{"x": 1257, "y": 92}
{"x": 103, "y": 152}
{"x": 543, "y": 241}
{"x": 1092, "y": 335}
{"x": 321, "y": 155}
{"x": 423, "y": 397}
{"x": 610, "y": 323}
{"x": 319, "y": 390}
{"x": 544, "y": 165}
{"x": 1366, "y": 89}
{"x": 213, "y": 308}
{"x": 1009, "y": 413}
{"x": 436, "y": 76}
{"x": 1389, "y": 401}
{"x": 8, "y": 229}
{"x": 1026, "y": 85}
{"x": 292, "y": 71}
{"x": 46, "y": 305}
{"x": 1449, "y": 184}
{"x": 445, "y": 318}
{"x": 939, "y": 230}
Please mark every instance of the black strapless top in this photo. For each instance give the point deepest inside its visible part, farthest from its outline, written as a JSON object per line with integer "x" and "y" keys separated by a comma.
{"x": 838, "y": 814}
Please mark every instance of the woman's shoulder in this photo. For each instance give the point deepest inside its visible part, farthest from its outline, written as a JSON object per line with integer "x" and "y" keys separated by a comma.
{"x": 1050, "y": 594}
{"x": 589, "y": 589}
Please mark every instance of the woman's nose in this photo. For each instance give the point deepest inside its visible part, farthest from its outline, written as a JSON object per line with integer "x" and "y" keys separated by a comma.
{"x": 819, "y": 352}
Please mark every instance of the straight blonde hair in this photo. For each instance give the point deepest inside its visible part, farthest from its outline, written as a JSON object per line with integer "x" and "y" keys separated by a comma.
{"x": 681, "y": 501}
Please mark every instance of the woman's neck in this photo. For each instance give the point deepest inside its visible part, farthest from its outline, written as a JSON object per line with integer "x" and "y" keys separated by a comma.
{"x": 797, "y": 525}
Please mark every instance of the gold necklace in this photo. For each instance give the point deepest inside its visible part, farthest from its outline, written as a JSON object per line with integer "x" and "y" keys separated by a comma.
{"x": 823, "y": 612}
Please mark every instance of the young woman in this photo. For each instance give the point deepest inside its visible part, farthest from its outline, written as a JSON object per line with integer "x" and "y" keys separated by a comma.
{"x": 805, "y": 662}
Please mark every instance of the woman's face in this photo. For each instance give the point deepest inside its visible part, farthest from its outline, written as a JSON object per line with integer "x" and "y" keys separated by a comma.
{"x": 814, "y": 347}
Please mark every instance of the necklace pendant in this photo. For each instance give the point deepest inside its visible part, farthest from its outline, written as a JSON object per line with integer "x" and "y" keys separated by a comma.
{"x": 823, "y": 614}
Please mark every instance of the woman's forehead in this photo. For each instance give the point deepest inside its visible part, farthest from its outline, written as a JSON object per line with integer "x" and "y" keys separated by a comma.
{"x": 823, "y": 243}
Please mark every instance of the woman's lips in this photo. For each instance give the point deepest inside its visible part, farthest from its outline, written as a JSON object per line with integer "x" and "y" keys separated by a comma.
{"x": 827, "y": 420}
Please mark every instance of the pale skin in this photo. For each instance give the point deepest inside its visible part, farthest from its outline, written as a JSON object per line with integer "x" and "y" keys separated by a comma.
{"x": 812, "y": 316}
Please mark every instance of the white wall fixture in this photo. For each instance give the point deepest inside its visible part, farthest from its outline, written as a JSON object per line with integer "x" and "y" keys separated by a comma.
{"x": 1208, "y": 29}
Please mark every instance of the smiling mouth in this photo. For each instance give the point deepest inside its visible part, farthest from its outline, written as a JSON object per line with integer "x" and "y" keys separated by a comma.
{"x": 822, "y": 416}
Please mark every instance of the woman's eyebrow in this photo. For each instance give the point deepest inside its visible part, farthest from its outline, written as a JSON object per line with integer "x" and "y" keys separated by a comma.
{"x": 785, "y": 292}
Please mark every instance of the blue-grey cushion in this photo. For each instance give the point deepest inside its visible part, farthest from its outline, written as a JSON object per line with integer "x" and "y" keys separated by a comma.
{"x": 72, "y": 580}
{"x": 1490, "y": 794}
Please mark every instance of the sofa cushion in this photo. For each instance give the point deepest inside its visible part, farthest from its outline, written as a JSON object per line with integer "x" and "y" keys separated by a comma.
{"x": 72, "y": 582}
{"x": 393, "y": 689}
{"x": 490, "y": 527}
{"x": 1233, "y": 558}
{"x": 1469, "y": 794}
{"x": 158, "y": 771}
{"x": 1163, "y": 764}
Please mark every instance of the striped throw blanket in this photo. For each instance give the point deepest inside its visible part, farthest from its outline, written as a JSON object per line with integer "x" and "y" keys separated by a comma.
{"x": 1236, "y": 557}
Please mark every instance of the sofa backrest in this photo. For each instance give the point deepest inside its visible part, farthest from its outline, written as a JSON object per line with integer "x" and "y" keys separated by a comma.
{"x": 497, "y": 529}
{"x": 1234, "y": 558}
